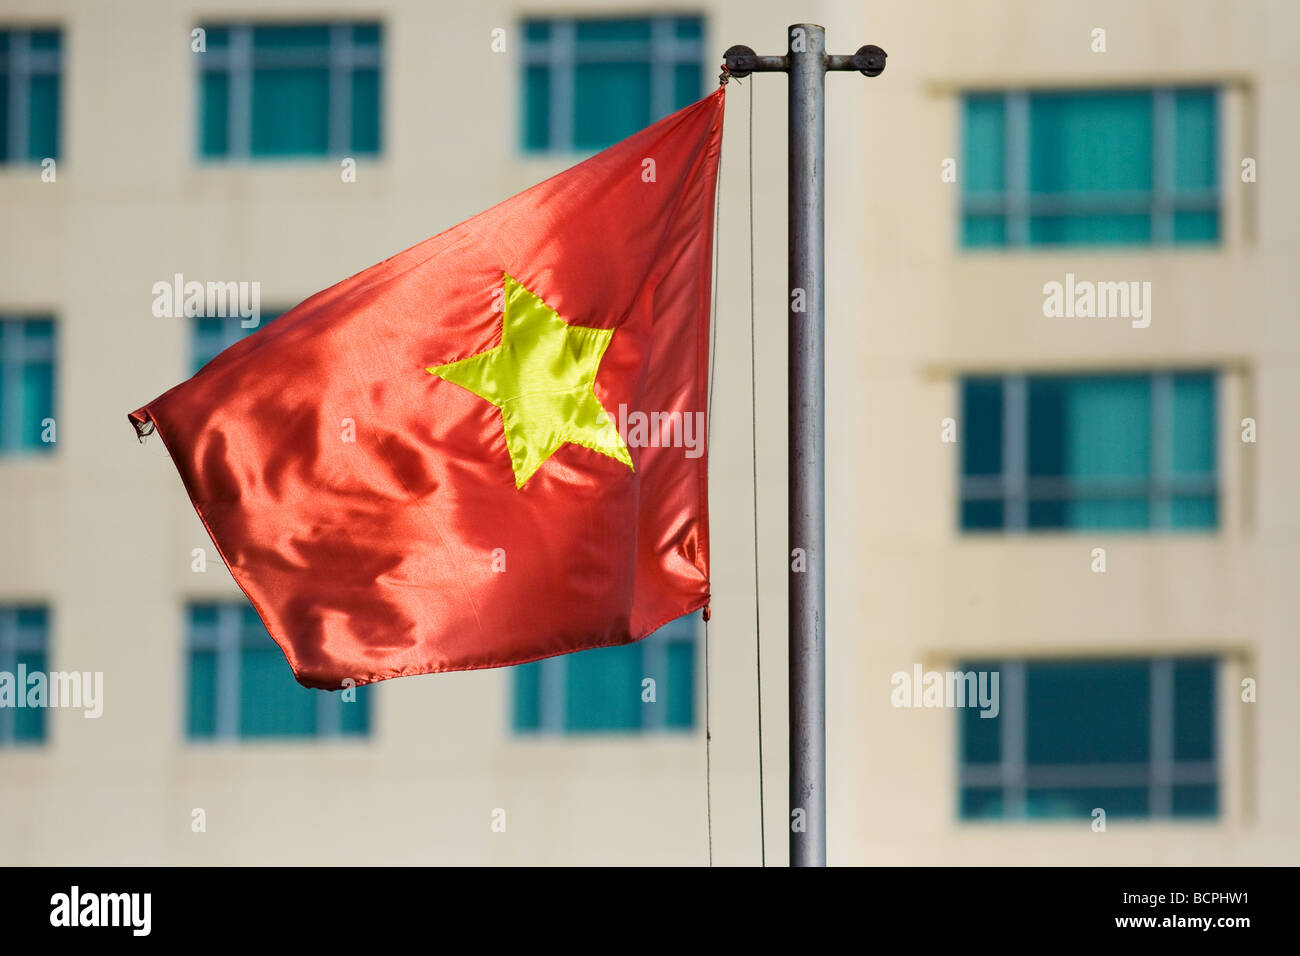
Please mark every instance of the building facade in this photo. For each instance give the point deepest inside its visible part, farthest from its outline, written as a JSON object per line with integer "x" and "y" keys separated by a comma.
{"x": 1058, "y": 359}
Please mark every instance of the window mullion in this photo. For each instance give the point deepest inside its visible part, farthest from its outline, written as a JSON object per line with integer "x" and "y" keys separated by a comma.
{"x": 661, "y": 67}
{"x": 654, "y": 659}
{"x": 229, "y": 646}
{"x": 239, "y": 101}
{"x": 1162, "y": 458}
{"x": 340, "y": 88}
{"x": 563, "y": 67}
{"x": 1162, "y": 738}
{"x": 1016, "y": 148}
{"x": 1015, "y": 453}
{"x": 1012, "y": 737}
{"x": 551, "y": 692}
{"x": 20, "y": 79}
{"x": 11, "y": 382}
{"x": 9, "y": 663}
{"x": 1162, "y": 171}
{"x": 329, "y": 713}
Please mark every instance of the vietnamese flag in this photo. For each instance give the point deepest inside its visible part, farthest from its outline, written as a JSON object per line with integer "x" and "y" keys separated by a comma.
{"x": 486, "y": 449}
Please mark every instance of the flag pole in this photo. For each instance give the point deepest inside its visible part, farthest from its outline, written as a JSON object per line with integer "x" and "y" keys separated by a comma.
{"x": 806, "y": 62}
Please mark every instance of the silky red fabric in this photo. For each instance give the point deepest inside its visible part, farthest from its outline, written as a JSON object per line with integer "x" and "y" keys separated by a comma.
{"x": 378, "y": 558}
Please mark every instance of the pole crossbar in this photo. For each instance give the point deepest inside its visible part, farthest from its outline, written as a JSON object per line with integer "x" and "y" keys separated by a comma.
{"x": 806, "y": 62}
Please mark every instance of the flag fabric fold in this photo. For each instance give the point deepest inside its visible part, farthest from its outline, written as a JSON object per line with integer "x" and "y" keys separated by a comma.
{"x": 487, "y": 449}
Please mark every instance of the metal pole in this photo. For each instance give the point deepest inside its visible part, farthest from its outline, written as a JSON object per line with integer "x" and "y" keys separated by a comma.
{"x": 807, "y": 62}
{"x": 807, "y": 404}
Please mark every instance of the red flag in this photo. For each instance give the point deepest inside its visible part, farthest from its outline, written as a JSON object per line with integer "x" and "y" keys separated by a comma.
{"x": 486, "y": 449}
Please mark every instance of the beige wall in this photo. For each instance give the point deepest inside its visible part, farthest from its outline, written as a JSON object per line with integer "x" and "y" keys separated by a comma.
{"x": 102, "y": 530}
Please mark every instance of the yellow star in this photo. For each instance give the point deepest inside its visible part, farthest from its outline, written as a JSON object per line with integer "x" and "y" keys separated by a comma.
{"x": 541, "y": 377}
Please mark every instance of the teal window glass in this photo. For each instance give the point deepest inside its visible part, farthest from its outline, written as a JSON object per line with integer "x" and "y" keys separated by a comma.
{"x": 985, "y": 146}
{"x": 1093, "y": 434}
{"x": 201, "y": 712}
{"x": 1133, "y": 737}
{"x": 5, "y": 134}
{"x": 210, "y": 335}
{"x": 1195, "y": 140}
{"x": 984, "y": 231}
{"x": 1120, "y": 452}
{"x": 367, "y": 35}
{"x": 43, "y": 113}
{"x": 630, "y": 31}
{"x": 214, "y": 113}
{"x": 688, "y": 28}
{"x": 304, "y": 37}
{"x": 1193, "y": 452}
{"x": 686, "y": 83}
{"x": 241, "y": 687}
{"x": 28, "y": 364}
{"x": 280, "y": 92}
{"x": 611, "y": 102}
{"x": 982, "y": 408}
{"x": 1090, "y": 143}
{"x": 1194, "y": 694}
{"x": 30, "y": 101}
{"x": 1090, "y": 167}
{"x": 291, "y": 111}
{"x": 45, "y": 41}
{"x": 1090, "y": 230}
{"x": 980, "y": 803}
{"x": 587, "y": 83}
{"x": 271, "y": 702}
{"x": 1087, "y": 713}
{"x": 367, "y": 95}
{"x": 537, "y": 107}
{"x": 679, "y": 668}
{"x": 24, "y": 650}
{"x": 605, "y": 691}
{"x": 526, "y": 698}
{"x": 1196, "y": 801}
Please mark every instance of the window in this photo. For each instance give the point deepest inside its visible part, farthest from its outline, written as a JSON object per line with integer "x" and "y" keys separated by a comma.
{"x": 29, "y": 95}
{"x": 240, "y": 685}
{"x": 589, "y": 83}
{"x": 286, "y": 91}
{"x": 1119, "y": 452}
{"x": 26, "y": 386}
{"x": 24, "y": 637}
{"x": 213, "y": 334}
{"x": 1090, "y": 167}
{"x": 1133, "y": 737}
{"x": 605, "y": 690}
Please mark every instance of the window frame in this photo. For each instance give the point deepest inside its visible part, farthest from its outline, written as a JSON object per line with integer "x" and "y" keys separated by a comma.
{"x": 20, "y": 63}
{"x": 1014, "y": 777}
{"x": 1016, "y": 489}
{"x": 1016, "y": 205}
{"x": 239, "y": 60}
{"x": 561, "y": 55}
{"x": 225, "y": 640}
{"x": 553, "y": 674}
{"x": 15, "y": 640}
{"x": 233, "y": 331}
{"x": 17, "y": 351}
